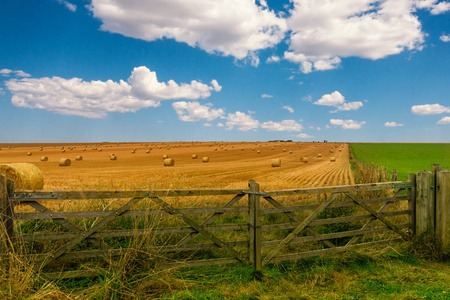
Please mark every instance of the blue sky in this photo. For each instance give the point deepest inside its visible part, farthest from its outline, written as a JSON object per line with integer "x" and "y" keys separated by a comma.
{"x": 176, "y": 70}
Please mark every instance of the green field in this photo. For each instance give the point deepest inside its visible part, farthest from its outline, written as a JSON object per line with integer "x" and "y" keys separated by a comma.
{"x": 405, "y": 158}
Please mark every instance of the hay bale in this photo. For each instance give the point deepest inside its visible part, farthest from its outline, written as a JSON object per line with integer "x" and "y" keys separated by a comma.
{"x": 112, "y": 157}
{"x": 276, "y": 162}
{"x": 165, "y": 156}
{"x": 148, "y": 151}
{"x": 79, "y": 157}
{"x": 84, "y": 149}
{"x": 290, "y": 152}
{"x": 205, "y": 159}
{"x": 284, "y": 150}
{"x": 44, "y": 158}
{"x": 29, "y": 153}
{"x": 63, "y": 150}
{"x": 194, "y": 156}
{"x": 169, "y": 162}
{"x": 305, "y": 160}
{"x": 39, "y": 149}
{"x": 332, "y": 159}
{"x": 259, "y": 151}
{"x": 25, "y": 176}
{"x": 331, "y": 151}
{"x": 133, "y": 151}
{"x": 319, "y": 155}
{"x": 64, "y": 162}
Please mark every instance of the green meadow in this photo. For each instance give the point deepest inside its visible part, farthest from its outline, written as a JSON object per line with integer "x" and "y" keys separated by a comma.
{"x": 405, "y": 158}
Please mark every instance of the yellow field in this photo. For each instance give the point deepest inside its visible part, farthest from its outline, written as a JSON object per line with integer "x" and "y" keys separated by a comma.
{"x": 229, "y": 166}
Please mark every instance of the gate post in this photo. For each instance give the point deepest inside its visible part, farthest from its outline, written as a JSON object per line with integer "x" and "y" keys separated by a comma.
{"x": 254, "y": 217}
{"x": 443, "y": 210}
{"x": 425, "y": 205}
{"x": 6, "y": 221}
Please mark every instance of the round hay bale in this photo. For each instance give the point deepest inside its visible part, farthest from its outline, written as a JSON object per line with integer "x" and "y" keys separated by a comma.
{"x": 273, "y": 148}
{"x": 29, "y": 153}
{"x": 259, "y": 151}
{"x": 165, "y": 156}
{"x": 242, "y": 149}
{"x": 205, "y": 159}
{"x": 63, "y": 150}
{"x": 305, "y": 160}
{"x": 226, "y": 149}
{"x": 290, "y": 152}
{"x": 100, "y": 150}
{"x": 44, "y": 158}
{"x": 79, "y": 157}
{"x": 148, "y": 151}
{"x": 169, "y": 162}
{"x": 340, "y": 150}
{"x": 194, "y": 156}
{"x": 284, "y": 150}
{"x": 133, "y": 151}
{"x": 84, "y": 149}
{"x": 276, "y": 162}
{"x": 319, "y": 155}
{"x": 112, "y": 157}
{"x": 64, "y": 162}
{"x": 331, "y": 151}
{"x": 332, "y": 159}
{"x": 25, "y": 176}
{"x": 39, "y": 149}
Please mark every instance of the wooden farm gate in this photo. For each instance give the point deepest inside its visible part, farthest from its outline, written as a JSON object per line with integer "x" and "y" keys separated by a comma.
{"x": 211, "y": 227}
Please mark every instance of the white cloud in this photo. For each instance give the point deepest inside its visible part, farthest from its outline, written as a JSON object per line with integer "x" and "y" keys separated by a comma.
{"x": 68, "y": 5}
{"x": 324, "y": 31}
{"x": 444, "y": 120}
{"x": 445, "y": 38}
{"x": 307, "y": 98}
{"x": 392, "y": 124}
{"x": 288, "y": 108}
{"x": 242, "y": 121}
{"x": 235, "y": 28}
{"x": 347, "y": 124}
{"x": 440, "y": 8}
{"x": 94, "y": 99}
{"x": 207, "y": 124}
{"x": 337, "y": 100}
{"x": 194, "y": 111}
{"x": 291, "y": 77}
{"x": 273, "y": 59}
{"x": 220, "y": 125}
{"x": 429, "y": 109}
{"x": 285, "y": 125}
{"x": 332, "y": 99}
{"x": 17, "y": 73}
{"x": 266, "y": 96}
{"x": 304, "y": 136}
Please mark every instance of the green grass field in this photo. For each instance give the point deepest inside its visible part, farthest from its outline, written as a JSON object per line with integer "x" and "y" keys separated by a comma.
{"x": 405, "y": 158}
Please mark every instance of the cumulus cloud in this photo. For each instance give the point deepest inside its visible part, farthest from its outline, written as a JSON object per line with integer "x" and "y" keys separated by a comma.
{"x": 266, "y": 96}
{"x": 273, "y": 59}
{"x": 347, "y": 124}
{"x": 304, "y": 136}
{"x": 288, "y": 108}
{"x": 94, "y": 99}
{"x": 429, "y": 109}
{"x": 235, "y": 28}
{"x": 325, "y": 31}
{"x": 337, "y": 100}
{"x": 444, "y": 120}
{"x": 392, "y": 124}
{"x": 445, "y": 38}
{"x": 241, "y": 121}
{"x": 285, "y": 125}
{"x": 16, "y": 73}
{"x": 440, "y": 8}
{"x": 194, "y": 111}
{"x": 68, "y": 5}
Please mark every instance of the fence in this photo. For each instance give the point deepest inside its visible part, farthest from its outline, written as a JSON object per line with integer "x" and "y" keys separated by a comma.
{"x": 245, "y": 226}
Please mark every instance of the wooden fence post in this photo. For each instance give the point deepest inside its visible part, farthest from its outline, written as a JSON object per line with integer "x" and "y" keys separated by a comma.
{"x": 255, "y": 226}
{"x": 394, "y": 175}
{"x": 412, "y": 202}
{"x": 425, "y": 205}
{"x": 5, "y": 216}
{"x": 443, "y": 210}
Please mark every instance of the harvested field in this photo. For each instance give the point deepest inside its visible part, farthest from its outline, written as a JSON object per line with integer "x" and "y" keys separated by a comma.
{"x": 226, "y": 169}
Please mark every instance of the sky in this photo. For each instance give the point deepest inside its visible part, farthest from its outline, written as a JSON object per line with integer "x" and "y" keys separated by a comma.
{"x": 231, "y": 70}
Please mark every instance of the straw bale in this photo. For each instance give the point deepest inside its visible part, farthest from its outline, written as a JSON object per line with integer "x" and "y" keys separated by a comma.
{"x": 259, "y": 151}
{"x": 79, "y": 157}
{"x": 63, "y": 150}
{"x": 319, "y": 155}
{"x": 148, "y": 151}
{"x": 113, "y": 157}
{"x": 276, "y": 162}
{"x": 165, "y": 156}
{"x": 333, "y": 159}
{"x": 205, "y": 159}
{"x": 194, "y": 156}
{"x": 25, "y": 176}
{"x": 64, "y": 162}
{"x": 44, "y": 158}
{"x": 305, "y": 160}
{"x": 169, "y": 162}
{"x": 290, "y": 152}
{"x": 29, "y": 153}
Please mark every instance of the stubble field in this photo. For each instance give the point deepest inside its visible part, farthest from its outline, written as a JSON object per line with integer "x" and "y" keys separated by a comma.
{"x": 230, "y": 165}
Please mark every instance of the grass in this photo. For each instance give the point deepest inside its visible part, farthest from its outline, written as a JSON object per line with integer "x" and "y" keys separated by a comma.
{"x": 405, "y": 158}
